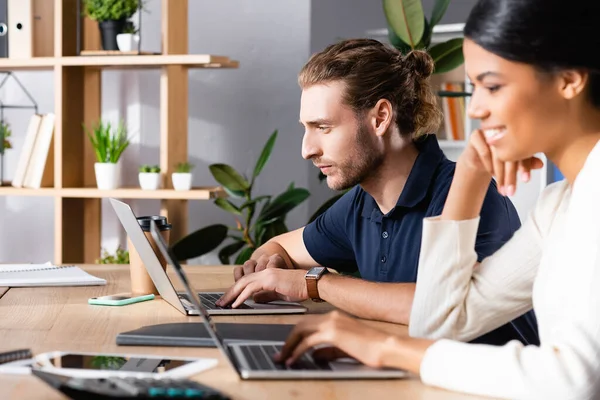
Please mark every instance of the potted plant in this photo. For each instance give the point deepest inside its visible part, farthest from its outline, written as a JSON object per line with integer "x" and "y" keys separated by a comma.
{"x": 182, "y": 177}
{"x": 112, "y": 16}
{"x": 128, "y": 40}
{"x": 257, "y": 218}
{"x": 5, "y": 133}
{"x": 149, "y": 177}
{"x": 109, "y": 145}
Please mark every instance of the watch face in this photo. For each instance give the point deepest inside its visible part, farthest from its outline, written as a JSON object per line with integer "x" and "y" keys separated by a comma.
{"x": 316, "y": 272}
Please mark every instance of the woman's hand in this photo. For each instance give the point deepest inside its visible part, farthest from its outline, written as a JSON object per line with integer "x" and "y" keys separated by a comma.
{"x": 343, "y": 336}
{"x": 480, "y": 158}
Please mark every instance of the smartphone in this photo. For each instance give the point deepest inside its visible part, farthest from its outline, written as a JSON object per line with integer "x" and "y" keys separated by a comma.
{"x": 119, "y": 299}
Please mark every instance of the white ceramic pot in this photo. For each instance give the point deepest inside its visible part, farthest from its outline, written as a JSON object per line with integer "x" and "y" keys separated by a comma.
{"x": 127, "y": 41}
{"x": 182, "y": 180}
{"x": 108, "y": 175}
{"x": 149, "y": 180}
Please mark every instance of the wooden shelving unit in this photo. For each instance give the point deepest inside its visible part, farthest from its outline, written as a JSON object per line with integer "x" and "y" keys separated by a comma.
{"x": 77, "y": 98}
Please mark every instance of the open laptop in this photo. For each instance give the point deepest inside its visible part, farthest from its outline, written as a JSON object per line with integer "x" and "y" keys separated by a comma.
{"x": 254, "y": 359}
{"x": 181, "y": 301}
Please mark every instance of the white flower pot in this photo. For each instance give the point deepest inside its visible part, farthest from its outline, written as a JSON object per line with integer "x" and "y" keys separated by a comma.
{"x": 108, "y": 175}
{"x": 182, "y": 180}
{"x": 149, "y": 180}
{"x": 127, "y": 41}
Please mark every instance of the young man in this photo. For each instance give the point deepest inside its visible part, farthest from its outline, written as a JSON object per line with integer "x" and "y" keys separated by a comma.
{"x": 367, "y": 111}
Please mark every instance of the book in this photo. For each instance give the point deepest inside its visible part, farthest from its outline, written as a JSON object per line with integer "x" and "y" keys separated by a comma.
{"x": 25, "y": 156}
{"x": 26, "y": 275}
{"x": 40, "y": 169}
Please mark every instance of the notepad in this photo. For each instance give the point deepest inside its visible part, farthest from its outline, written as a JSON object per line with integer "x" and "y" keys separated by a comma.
{"x": 24, "y": 275}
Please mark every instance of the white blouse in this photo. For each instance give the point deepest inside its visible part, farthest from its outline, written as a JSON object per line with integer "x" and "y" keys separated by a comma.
{"x": 551, "y": 264}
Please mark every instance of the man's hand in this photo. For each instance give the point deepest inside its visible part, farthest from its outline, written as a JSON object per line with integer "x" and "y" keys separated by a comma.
{"x": 343, "y": 336}
{"x": 276, "y": 283}
{"x": 261, "y": 263}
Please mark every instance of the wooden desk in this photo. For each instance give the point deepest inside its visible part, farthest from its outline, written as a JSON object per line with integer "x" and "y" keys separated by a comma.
{"x": 47, "y": 319}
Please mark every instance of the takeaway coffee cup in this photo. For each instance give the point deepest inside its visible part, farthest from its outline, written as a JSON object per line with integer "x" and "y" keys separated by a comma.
{"x": 141, "y": 283}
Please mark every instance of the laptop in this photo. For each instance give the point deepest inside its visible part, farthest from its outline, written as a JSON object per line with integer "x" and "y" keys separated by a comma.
{"x": 180, "y": 300}
{"x": 254, "y": 359}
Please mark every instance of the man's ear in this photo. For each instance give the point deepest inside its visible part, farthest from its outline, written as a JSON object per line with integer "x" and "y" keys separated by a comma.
{"x": 572, "y": 82}
{"x": 381, "y": 117}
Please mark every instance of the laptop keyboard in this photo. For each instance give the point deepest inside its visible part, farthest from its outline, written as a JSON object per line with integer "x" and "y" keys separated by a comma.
{"x": 208, "y": 301}
{"x": 260, "y": 358}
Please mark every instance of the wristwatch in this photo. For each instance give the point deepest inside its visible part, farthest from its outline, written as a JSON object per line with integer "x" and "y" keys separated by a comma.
{"x": 312, "y": 277}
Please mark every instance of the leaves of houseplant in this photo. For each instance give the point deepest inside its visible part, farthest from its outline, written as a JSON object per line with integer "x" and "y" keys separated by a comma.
{"x": 200, "y": 242}
{"x": 229, "y": 177}
{"x": 230, "y": 250}
{"x": 447, "y": 55}
{"x": 439, "y": 9}
{"x": 228, "y": 206}
{"x": 264, "y": 155}
{"x": 244, "y": 255}
{"x": 406, "y": 19}
{"x": 283, "y": 204}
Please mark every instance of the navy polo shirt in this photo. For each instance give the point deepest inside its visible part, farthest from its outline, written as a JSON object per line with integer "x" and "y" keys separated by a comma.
{"x": 353, "y": 234}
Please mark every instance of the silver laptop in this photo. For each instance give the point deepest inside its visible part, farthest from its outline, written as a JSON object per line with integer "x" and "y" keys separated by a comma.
{"x": 181, "y": 301}
{"x": 254, "y": 359}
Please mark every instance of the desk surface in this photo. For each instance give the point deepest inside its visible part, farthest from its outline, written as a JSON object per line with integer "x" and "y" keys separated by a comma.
{"x": 46, "y": 319}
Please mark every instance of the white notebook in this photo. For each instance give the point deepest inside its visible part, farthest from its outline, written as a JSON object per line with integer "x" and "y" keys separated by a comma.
{"x": 22, "y": 275}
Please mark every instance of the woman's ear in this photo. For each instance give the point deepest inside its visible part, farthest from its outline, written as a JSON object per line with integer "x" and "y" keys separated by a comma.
{"x": 381, "y": 117}
{"x": 572, "y": 82}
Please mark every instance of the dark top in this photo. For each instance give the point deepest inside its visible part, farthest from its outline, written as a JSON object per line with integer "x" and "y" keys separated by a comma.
{"x": 353, "y": 235}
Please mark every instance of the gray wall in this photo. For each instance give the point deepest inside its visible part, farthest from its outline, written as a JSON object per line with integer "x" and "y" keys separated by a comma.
{"x": 232, "y": 113}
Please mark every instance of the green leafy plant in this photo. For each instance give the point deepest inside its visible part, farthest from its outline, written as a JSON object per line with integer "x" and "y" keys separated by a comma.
{"x": 184, "y": 167}
{"x": 108, "y": 143}
{"x": 409, "y": 29}
{"x": 107, "y": 10}
{"x": 130, "y": 28}
{"x": 257, "y": 219}
{"x": 121, "y": 256}
{"x": 149, "y": 168}
{"x": 5, "y": 133}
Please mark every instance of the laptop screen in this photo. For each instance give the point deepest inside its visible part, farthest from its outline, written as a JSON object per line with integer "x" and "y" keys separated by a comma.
{"x": 193, "y": 294}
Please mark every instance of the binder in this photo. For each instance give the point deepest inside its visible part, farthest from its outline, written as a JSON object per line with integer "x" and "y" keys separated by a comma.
{"x": 20, "y": 28}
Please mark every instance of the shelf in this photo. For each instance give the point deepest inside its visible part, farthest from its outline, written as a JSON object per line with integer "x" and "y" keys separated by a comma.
{"x": 188, "y": 60}
{"x": 121, "y": 61}
{"x": 34, "y": 63}
{"x": 8, "y": 190}
{"x": 200, "y": 193}
{"x": 452, "y": 144}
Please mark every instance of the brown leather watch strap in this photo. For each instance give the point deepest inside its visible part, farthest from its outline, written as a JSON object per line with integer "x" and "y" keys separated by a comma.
{"x": 311, "y": 288}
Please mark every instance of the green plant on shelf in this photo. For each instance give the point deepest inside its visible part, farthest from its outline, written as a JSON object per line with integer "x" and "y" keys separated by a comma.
{"x": 257, "y": 218}
{"x": 409, "y": 29}
{"x": 5, "y": 133}
{"x": 184, "y": 167}
{"x": 149, "y": 168}
{"x": 130, "y": 28}
{"x": 109, "y": 144}
{"x": 111, "y": 10}
{"x": 121, "y": 256}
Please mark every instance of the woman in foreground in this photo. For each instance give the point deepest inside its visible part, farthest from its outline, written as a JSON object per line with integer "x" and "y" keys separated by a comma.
{"x": 535, "y": 69}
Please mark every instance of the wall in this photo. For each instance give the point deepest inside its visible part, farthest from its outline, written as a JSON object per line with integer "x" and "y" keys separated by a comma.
{"x": 232, "y": 113}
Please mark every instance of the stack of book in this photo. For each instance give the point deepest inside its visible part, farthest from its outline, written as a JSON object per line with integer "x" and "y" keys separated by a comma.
{"x": 35, "y": 167}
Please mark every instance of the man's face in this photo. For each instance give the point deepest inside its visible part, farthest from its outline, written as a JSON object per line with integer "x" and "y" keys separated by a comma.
{"x": 343, "y": 146}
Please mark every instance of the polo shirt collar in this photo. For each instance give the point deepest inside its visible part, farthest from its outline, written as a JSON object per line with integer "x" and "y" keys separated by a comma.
{"x": 419, "y": 180}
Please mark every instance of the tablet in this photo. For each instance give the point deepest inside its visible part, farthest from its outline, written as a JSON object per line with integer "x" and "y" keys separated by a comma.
{"x": 82, "y": 364}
